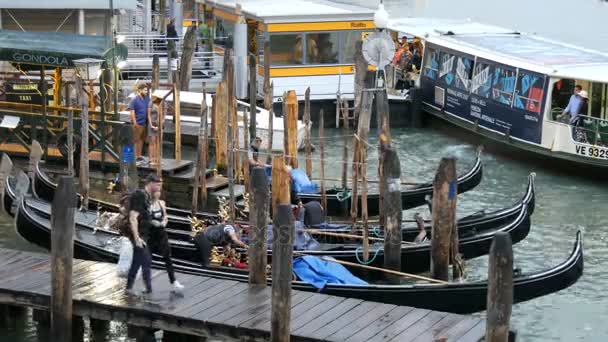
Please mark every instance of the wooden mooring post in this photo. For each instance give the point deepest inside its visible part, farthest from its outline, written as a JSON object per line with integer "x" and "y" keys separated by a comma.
{"x": 384, "y": 135}
{"x": 500, "y": 289}
{"x": 291, "y": 128}
{"x": 360, "y": 163}
{"x": 307, "y": 133}
{"x": 177, "y": 120}
{"x": 155, "y": 72}
{"x": 345, "y": 133}
{"x": 200, "y": 173}
{"x": 282, "y": 267}
{"x": 6, "y": 166}
{"x": 391, "y": 169}
{"x": 245, "y": 160}
{"x": 258, "y": 218}
{"x": 280, "y": 183}
{"x": 444, "y": 217}
{"x": 70, "y": 131}
{"x": 83, "y": 174}
{"x": 62, "y": 252}
{"x": 253, "y": 95}
{"x": 220, "y": 114}
{"x": 322, "y": 156}
{"x": 231, "y": 167}
{"x": 36, "y": 153}
{"x": 270, "y": 126}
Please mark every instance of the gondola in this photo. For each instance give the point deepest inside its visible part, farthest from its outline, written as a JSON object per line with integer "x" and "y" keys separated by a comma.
{"x": 476, "y": 222}
{"x": 468, "y": 225}
{"x": 466, "y": 297}
{"x": 414, "y": 257}
{"x": 338, "y": 202}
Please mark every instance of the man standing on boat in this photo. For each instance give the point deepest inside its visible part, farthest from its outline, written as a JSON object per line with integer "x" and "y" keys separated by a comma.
{"x": 574, "y": 106}
{"x": 138, "y": 108}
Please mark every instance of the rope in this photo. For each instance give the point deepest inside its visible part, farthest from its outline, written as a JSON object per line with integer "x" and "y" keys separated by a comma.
{"x": 365, "y": 262}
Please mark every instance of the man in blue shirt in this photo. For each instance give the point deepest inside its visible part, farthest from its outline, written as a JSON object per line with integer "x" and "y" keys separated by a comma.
{"x": 139, "y": 119}
{"x": 574, "y": 105}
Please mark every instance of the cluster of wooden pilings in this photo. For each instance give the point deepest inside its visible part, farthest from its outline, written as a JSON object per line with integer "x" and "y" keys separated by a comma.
{"x": 224, "y": 130}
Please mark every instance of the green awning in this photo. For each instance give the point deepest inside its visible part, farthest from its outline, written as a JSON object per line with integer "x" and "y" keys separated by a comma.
{"x": 50, "y": 48}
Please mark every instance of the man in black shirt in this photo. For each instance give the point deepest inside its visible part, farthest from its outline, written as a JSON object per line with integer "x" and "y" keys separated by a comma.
{"x": 139, "y": 220}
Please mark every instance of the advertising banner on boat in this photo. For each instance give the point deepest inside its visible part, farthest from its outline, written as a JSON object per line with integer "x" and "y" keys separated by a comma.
{"x": 495, "y": 96}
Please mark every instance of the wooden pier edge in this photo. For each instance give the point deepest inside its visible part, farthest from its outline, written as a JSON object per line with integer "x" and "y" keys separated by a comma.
{"x": 233, "y": 309}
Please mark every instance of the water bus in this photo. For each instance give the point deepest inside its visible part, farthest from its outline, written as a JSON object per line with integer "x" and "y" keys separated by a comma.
{"x": 312, "y": 42}
{"x": 512, "y": 87}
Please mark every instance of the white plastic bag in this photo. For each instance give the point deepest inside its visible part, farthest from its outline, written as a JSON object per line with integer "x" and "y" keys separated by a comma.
{"x": 125, "y": 258}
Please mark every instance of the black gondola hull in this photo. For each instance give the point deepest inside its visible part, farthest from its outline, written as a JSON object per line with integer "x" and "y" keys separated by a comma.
{"x": 414, "y": 257}
{"x": 410, "y": 198}
{"x": 465, "y": 297}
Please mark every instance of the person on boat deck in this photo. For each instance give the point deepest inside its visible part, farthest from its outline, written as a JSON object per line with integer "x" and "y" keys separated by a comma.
{"x": 139, "y": 222}
{"x": 159, "y": 241}
{"x": 574, "y": 106}
{"x": 217, "y": 235}
{"x": 138, "y": 108}
{"x": 254, "y": 154}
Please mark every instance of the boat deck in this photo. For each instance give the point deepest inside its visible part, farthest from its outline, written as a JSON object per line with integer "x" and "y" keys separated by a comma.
{"x": 212, "y": 305}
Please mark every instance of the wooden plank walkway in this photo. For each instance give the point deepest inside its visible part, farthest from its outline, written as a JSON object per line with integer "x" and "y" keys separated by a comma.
{"x": 211, "y": 305}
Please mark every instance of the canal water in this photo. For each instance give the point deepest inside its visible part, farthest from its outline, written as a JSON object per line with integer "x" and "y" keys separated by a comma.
{"x": 565, "y": 204}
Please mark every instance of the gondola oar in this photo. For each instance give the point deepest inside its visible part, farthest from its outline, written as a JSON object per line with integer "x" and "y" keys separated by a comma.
{"x": 349, "y": 236}
{"x": 402, "y": 274}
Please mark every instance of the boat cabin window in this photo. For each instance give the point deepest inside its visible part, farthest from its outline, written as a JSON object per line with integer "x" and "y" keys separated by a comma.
{"x": 286, "y": 49}
{"x": 464, "y": 72}
{"x": 503, "y": 84}
{"x": 224, "y": 33}
{"x": 481, "y": 84}
{"x": 446, "y": 67}
{"x": 322, "y": 48}
{"x": 349, "y": 41}
{"x": 597, "y": 93}
{"x": 431, "y": 64}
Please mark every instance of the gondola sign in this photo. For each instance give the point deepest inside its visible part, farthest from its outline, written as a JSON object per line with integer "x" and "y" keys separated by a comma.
{"x": 30, "y": 93}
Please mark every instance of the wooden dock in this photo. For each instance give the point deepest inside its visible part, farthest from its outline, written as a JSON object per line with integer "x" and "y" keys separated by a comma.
{"x": 210, "y": 306}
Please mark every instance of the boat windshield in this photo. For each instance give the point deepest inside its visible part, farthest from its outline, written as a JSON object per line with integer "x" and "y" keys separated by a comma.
{"x": 589, "y": 100}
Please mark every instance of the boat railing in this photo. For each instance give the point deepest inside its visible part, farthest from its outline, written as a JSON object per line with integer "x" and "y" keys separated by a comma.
{"x": 592, "y": 130}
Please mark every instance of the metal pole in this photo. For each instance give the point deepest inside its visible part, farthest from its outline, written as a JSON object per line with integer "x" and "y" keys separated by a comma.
{"x": 81, "y": 25}
{"x": 103, "y": 94}
{"x": 44, "y": 117}
{"x": 115, "y": 70}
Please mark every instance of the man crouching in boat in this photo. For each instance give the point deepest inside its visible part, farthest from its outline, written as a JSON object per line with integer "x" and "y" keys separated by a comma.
{"x": 216, "y": 235}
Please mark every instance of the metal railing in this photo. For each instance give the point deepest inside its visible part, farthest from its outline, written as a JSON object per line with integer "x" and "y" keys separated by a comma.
{"x": 591, "y": 130}
{"x": 206, "y": 64}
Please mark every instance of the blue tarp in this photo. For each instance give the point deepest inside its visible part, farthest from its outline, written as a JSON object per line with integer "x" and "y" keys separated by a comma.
{"x": 319, "y": 272}
{"x": 300, "y": 182}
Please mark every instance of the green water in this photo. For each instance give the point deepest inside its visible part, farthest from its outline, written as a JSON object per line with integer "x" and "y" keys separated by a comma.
{"x": 565, "y": 204}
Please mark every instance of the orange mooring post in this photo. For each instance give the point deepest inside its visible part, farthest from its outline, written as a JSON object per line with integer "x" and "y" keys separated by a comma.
{"x": 280, "y": 183}
{"x": 220, "y": 114}
{"x": 292, "y": 128}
